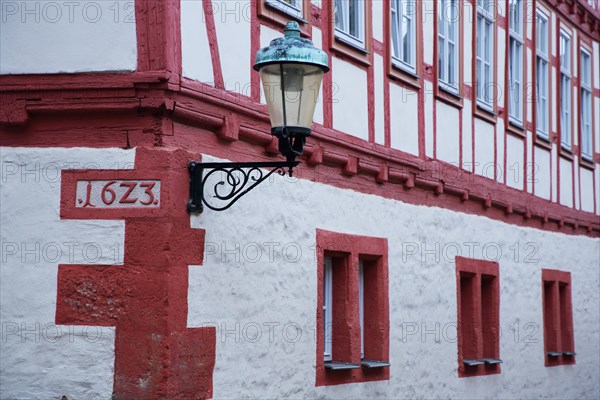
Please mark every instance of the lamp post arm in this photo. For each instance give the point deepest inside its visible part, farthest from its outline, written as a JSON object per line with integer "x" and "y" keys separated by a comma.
{"x": 235, "y": 181}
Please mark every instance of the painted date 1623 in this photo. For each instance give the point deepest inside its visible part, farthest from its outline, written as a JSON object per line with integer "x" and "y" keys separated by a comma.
{"x": 118, "y": 193}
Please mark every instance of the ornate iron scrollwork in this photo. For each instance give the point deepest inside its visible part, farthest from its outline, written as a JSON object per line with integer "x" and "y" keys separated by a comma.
{"x": 235, "y": 180}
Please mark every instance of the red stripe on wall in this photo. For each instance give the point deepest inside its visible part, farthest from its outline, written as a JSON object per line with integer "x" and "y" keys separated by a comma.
{"x": 213, "y": 43}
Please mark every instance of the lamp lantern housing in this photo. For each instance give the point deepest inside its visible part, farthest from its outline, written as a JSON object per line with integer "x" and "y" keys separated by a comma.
{"x": 291, "y": 69}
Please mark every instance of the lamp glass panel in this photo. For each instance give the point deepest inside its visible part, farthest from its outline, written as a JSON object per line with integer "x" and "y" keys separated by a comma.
{"x": 295, "y": 104}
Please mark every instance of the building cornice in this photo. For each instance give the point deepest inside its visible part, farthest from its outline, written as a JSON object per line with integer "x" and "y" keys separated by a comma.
{"x": 168, "y": 110}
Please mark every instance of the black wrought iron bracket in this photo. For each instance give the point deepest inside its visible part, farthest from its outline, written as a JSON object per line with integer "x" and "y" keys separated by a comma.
{"x": 237, "y": 179}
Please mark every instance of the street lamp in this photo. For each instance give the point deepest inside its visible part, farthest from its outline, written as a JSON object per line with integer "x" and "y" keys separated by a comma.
{"x": 291, "y": 69}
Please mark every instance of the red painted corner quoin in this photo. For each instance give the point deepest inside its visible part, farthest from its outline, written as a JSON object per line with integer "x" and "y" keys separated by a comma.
{"x": 145, "y": 299}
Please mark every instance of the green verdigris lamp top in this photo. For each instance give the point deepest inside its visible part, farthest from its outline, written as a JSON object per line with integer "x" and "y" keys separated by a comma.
{"x": 291, "y": 48}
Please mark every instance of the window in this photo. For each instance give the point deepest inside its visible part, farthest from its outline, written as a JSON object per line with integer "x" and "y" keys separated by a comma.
{"x": 350, "y": 22}
{"x": 403, "y": 34}
{"x": 448, "y": 21}
{"x": 485, "y": 54}
{"x": 515, "y": 60}
{"x": 586, "y": 105}
{"x": 542, "y": 60}
{"x": 327, "y": 321}
{"x": 291, "y": 7}
{"x": 559, "y": 346}
{"x": 478, "y": 317}
{"x": 565, "y": 90}
{"x": 352, "y": 298}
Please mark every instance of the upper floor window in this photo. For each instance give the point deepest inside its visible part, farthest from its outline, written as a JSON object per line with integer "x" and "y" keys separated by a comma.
{"x": 485, "y": 53}
{"x": 565, "y": 90}
{"x": 350, "y": 21}
{"x": 448, "y": 20}
{"x": 542, "y": 62}
{"x": 404, "y": 34}
{"x": 586, "y": 104}
{"x": 291, "y": 7}
{"x": 515, "y": 69}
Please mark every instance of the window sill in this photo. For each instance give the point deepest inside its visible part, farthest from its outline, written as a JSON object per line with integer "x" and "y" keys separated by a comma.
{"x": 449, "y": 96}
{"x": 485, "y": 113}
{"x": 544, "y": 142}
{"x": 515, "y": 128}
{"x": 587, "y": 163}
{"x": 344, "y": 48}
{"x": 374, "y": 363}
{"x": 566, "y": 153}
{"x": 397, "y": 73}
{"x": 340, "y": 365}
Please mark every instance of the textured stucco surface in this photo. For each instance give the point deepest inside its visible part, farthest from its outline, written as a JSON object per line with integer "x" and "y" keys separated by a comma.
{"x": 39, "y": 359}
{"x": 78, "y": 36}
{"x": 254, "y": 282}
{"x": 258, "y": 286}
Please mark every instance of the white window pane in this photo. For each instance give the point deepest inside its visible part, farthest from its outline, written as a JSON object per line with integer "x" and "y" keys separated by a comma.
{"x": 327, "y": 306}
{"x": 361, "y": 306}
{"x": 451, "y": 66}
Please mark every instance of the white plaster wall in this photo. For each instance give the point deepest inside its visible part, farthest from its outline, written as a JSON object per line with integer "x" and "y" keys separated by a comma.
{"x": 542, "y": 174}
{"x": 448, "y": 133}
{"x": 515, "y": 162}
{"x": 379, "y": 109}
{"x": 553, "y": 99}
{"x": 597, "y": 175}
{"x": 576, "y": 177}
{"x": 429, "y": 99}
{"x": 529, "y": 88}
{"x": 258, "y": 285}
{"x": 232, "y": 24}
{"x": 266, "y": 35}
{"x": 484, "y": 149}
{"x": 40, "y": 359}
{"x": 500, "y": 137}
{"x": 587, "y": 189}
{"x": 467, "y": 18}
{"x": 566, "y": 182}
{"x": 529, "y": 163}
{"x": 467, "y": 137}
{"x": 554, "y": 172}
{"x": 317, "y": 39}
{"x": 350, "y": 103}
{"x": 596, "y": 66}
{"x": 500, "y": 60}
{"x": 597, "y": 124}
{"x": 51, "y": 37}
{"x": 196, "y": 60}
{"x": 552, "y": 29}
{"x": 428, "y": 18}
{"x": 377, "y": 22}
{"x": 404, "y": 119}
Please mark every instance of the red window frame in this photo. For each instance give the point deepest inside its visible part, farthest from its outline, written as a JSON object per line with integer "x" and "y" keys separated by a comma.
{"x": 346, "y": 251}
{"x": 346, "y": 50}
{"x": 478, "y": 308}
{"x": 558, "y": 318}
